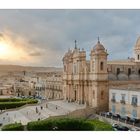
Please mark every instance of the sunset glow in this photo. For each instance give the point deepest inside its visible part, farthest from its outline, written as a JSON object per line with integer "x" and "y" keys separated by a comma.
{"x": 12, "y": 51}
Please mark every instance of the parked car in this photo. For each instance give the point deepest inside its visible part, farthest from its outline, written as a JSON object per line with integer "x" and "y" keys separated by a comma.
{"x": 103, "y": 113}
{"x": 118, "y": 127}
{"x": 116, "y": 115}
{"x": 125, "y": 118}
{"x": 133, "y": 120}
{"x": 109, "y": 114}
{"x": 114, "y": 125}
{"x": 123, "y": 128}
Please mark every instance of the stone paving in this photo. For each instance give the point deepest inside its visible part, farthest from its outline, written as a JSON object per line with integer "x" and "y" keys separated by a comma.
{"x": 33, "y": 113}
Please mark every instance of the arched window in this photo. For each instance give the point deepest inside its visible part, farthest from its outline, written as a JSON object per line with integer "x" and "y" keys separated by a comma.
{"x": 138, "y": 57}
{"x": 64, "y": 68}
{"x": 92, "y": 65}
{"x": 101, "y": 66}
{"x": 129, "y": 71}
{"x": 93, "y": 94}
{"x": 118, "y": 71}
{"x": 102, "y": 94}
{"x": 139, "y": 71}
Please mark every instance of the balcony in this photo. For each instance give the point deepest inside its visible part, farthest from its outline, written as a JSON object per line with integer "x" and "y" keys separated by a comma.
{"x": 122, "y": 101}
{"x": 113, "y": 100}
{"x": 134, "y": 104}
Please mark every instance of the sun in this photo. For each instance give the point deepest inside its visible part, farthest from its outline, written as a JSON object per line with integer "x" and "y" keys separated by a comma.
{"x": 4, "y": 50}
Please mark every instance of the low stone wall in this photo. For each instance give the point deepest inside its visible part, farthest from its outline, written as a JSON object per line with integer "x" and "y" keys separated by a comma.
{"x": 18, "y": 108}
{"x": 84, "y": 113}
{"x": 80, "y": 113}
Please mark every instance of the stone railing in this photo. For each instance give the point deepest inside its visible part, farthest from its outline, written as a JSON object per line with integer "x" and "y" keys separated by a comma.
{"x": 122, "y": 101}
{"x": 134, "y": 104}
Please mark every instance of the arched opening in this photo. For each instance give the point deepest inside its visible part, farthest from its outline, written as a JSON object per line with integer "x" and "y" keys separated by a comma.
{"x": 138, "y": 57}
{"x": 102, "y": 95}
{"x": 129, "y": 71}
{"x": 101, "y": 66}
{"x": 118, "y": 71}
{"x": 75, "y": 95}
{"x": 29, "y": 93}
{"x": 139, "y": 71}
{"x": 93, "y": 94}
{"x": 64, "y": 68}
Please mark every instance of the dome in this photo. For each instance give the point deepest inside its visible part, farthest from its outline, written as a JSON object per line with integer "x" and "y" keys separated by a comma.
{"x": 112, "y": 77}
{"x": 99, "y": 46}
{"x": 137, "y": 46}
{"x": 134, "y": 77}
{"x": 122, "y": 77}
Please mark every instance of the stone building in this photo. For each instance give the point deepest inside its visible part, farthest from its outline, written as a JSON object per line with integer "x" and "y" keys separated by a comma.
{"x": 125, "y": 102}
{"x": 88, "y": 81}
{"x": 54, "y": 85}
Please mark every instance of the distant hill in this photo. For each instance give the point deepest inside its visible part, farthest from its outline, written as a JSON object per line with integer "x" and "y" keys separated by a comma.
{"x": 14, "y": 68}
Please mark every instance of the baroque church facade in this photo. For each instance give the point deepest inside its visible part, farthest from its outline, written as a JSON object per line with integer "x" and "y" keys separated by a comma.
{"x": 88, "y": 81}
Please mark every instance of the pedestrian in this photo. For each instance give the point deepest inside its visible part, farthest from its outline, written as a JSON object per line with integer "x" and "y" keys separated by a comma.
{"x": 56, "y": 107}
{"x": 36, "y": 110}
{"x": 8, "y": 119}
{"x": 41, "y": 107}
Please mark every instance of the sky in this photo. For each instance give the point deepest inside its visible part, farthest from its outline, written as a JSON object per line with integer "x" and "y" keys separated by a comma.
{"x": 42, "y": 37}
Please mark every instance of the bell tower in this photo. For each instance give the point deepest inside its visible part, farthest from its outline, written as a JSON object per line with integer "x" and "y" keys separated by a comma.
{"x": 98, "y": 94}
{"x": 137, "y": 50}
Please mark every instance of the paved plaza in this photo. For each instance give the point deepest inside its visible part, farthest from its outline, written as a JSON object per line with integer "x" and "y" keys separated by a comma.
{"x": 41, "y": 111}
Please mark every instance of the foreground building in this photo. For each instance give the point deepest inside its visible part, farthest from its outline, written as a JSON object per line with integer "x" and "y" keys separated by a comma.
{"x": 125, "y": 102}
{"x": 88, "y": 81}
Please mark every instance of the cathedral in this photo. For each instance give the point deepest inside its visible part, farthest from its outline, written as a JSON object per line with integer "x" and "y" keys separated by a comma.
{"x": 88, "y": 81}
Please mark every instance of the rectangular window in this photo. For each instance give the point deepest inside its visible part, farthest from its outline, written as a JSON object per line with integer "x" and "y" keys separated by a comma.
{"x": 134, "y": 100}
{"x": 113, "y": 96}
{"x": 123, "y": 97}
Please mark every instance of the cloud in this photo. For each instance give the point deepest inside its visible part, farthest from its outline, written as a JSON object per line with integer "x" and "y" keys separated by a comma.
{"x": 35, "y": 54}
{"x": 45, "y": 35}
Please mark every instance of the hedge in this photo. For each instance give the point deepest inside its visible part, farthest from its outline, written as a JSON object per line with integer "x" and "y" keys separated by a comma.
{"x": 13, "y": 127}
{"x": 101, "y": 126}
{"x": 61, "y": 124}
{"x": 12, "y": 104}
{"x": 11, "y": 100}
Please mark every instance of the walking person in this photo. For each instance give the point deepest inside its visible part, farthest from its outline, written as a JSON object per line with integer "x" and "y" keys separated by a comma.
{"x": 36, "y": 110}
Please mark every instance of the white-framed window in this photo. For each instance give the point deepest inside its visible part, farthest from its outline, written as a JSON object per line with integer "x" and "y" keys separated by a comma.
{"x": 113, "y": 96}
{"x": 134, "y": 113}
{"x": 113, "y": 109}
{"x": 134, "y": 99}
{"x": 123, "y": 111}
{"x": 123, "y": 97}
